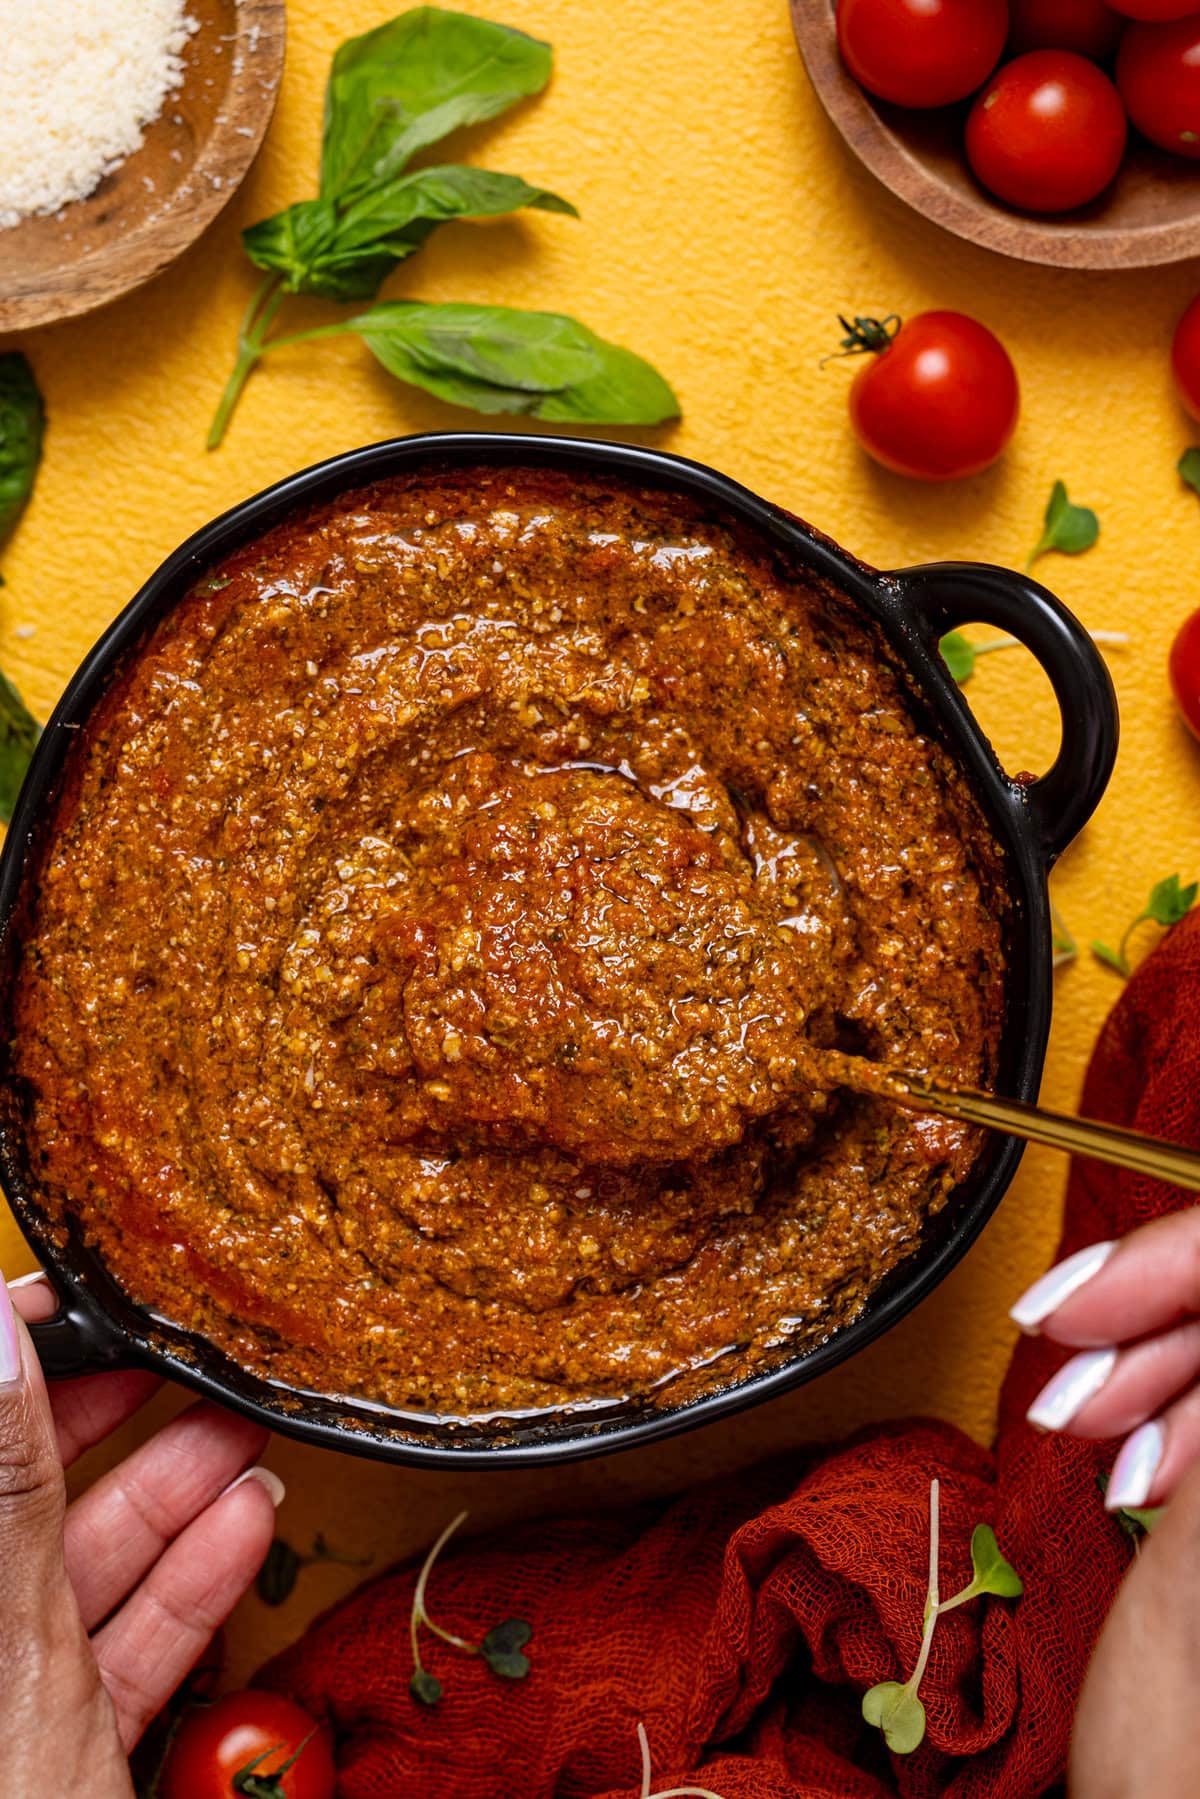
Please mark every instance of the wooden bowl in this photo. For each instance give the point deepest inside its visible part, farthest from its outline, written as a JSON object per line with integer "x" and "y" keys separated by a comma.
{"x": 159, "y": 200}
{"x": 1150, "y": 214}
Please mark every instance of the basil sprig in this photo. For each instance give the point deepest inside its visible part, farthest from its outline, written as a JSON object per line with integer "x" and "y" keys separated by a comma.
{"x": 392, "y": 93}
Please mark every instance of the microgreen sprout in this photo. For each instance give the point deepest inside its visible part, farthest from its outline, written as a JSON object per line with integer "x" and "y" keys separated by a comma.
{"x": 502, "y": 1648}
{"x": 1066, "y": 528}
{"x": 279, "y": 1572}
{"x": 669, "y": 1792}
{"x": 1065, "y": 947}
{"x": 896, "y": 1709}
{"x": 1169, "y": 902}
{"x": 960, "y": 654}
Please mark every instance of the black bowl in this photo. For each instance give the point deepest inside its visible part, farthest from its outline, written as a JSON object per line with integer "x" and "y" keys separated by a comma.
{"x": 98, "y": 1327}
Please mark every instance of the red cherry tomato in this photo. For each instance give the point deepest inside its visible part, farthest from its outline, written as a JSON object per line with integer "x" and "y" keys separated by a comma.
{"x": 1048, "y": 132}
{"x": 940, "y": 402}
{"x": 1185, "y": 357}
{"x": 1086, "y": 26}
{"x": 921, "y": 52}
{"x": 219, "y": 1741}
{"x": 1158, "y": 73}
{"x": 1185, "y": 670}
{"x": 1154, "y": 9}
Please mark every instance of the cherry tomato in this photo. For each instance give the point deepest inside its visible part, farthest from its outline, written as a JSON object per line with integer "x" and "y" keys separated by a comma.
{"x": 1185, "y": 670}
{"x": 921, "y": 52}
{"x": 1086, "y": 26}
{"x": 1154, "y": 9}
{"x": 1158, "y": 73}
{"x": 940, "y": 401}
{"x": 221, "y": 1740}
{"x": 1047, "y": 132}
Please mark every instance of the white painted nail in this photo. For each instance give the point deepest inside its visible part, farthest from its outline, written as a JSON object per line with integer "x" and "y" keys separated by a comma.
{"x": 265, "y": 1478}
{"x": 1076, "y": 1382}
{"x": 1134, "y": 1470}
{"x": 1045, "y": 1296}
{"x": 29, "y": 1280}
{"x": 10, "y": 1342}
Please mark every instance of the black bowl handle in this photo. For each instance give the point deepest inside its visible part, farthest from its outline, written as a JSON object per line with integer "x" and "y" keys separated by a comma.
{"x": 947, "y": 594}
{"x": 79, "y": 1339}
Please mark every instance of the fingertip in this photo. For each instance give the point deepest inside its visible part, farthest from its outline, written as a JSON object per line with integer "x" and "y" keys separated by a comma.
{"x": 33, "y": 1298}
{"x": 266, "y": 1478}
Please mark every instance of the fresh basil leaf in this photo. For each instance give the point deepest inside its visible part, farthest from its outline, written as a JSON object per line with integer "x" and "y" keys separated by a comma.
{"x": 399, "y": 88}
{"x": 1170, "y": 902}
{"x": 958, "y": 654}
{"x": 898, "y": 1713}
{"x": 993, "y": 1574}
{"x": 344, "y": 254}
{"x": 22, "y": 423}
{"x": 19, "y": 732}
{"x": 497, "y": 359}
{"x": 1067, "y": 528}
{"x": 1188, "y": 468}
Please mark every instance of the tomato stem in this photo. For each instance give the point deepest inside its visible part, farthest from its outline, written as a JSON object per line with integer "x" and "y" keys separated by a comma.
{"x": 865, "y": 336}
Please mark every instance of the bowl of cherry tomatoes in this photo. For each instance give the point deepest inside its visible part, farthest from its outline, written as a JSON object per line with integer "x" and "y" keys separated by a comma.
{"x": 1056, "y": 131}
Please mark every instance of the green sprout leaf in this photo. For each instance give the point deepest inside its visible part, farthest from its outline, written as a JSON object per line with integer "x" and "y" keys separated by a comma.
{"x": 278, "y": 1574}
{"x": 898, "y": 1713}
{"x": 1188, "y": 468}
{"x": 958, "y": 653}
{"x": 1067, "y": 528}
{"x": 425, "y": 1687}
{"x": 502, "y": 1648}
{"x": 993, "y": 1574}
{"x": 1169, "y": 902}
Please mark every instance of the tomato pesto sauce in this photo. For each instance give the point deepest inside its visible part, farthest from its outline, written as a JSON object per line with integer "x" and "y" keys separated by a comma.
{"x": 443, "y": 917}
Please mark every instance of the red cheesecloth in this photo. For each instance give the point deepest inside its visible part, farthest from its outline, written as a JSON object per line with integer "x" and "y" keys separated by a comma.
{"x": 743, "y": 1622}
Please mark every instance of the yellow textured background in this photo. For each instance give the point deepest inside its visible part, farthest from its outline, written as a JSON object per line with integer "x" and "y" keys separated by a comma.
{"x": 723, "y": 228}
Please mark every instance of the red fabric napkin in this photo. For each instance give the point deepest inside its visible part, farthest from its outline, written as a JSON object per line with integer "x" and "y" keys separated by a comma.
{"x": 743, "y": 1622}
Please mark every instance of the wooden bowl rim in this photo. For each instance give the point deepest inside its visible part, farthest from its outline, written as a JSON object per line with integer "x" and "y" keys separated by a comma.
{"x": 128, "y": 260}
{"x": 1079, "y": 244}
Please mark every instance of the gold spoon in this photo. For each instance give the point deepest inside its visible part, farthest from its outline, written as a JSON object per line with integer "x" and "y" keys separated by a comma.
{"x": 1079, "y": 1136}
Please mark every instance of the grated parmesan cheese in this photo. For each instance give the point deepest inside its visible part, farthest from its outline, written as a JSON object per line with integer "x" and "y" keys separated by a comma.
{"x": 79, "y": 82}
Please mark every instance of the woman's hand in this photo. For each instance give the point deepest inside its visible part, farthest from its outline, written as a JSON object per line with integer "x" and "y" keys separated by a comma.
{"x": 109, "y": 1602}
{"x": 1132, "y": 1310}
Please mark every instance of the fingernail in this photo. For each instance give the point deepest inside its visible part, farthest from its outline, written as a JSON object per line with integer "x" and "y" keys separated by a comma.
{"x": 1045, "y": 1296}
{"x": 10, "y": 1343}
{"x": 265, "y": 1478}
{"x": 1133, "y": 1473}
{"x": 30, "y": 1280}
{"x": 1076, "y": 1382}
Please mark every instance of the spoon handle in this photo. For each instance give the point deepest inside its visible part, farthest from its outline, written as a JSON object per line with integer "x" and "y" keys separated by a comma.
{"x": 1079, "y": 1136}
